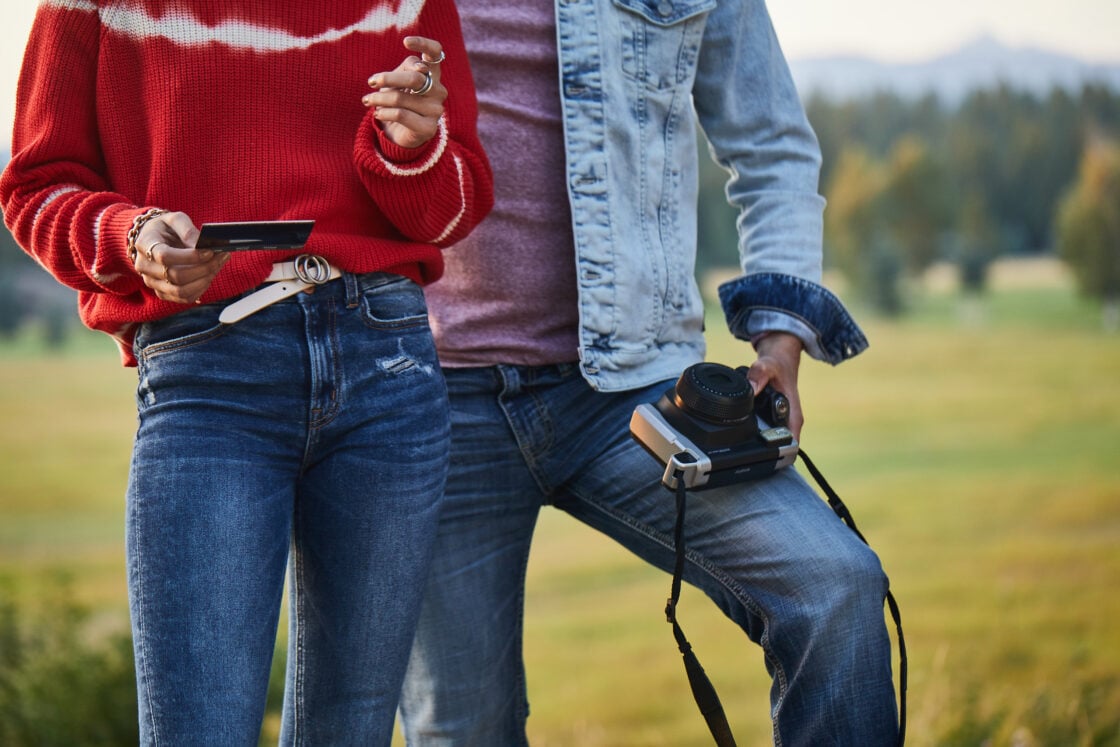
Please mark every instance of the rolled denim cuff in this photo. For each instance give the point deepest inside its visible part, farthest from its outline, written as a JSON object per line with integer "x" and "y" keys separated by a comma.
{"x": 783, "y": 303}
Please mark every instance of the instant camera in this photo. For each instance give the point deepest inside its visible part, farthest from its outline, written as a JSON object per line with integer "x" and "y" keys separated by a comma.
{"x": 712, "y": 430}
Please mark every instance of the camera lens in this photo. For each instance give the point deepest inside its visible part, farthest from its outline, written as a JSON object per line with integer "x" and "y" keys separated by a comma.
{"x": 715, "y": 393}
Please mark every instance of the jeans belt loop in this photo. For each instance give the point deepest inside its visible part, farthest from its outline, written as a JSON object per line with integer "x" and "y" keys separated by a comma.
{"x": 285, "y": 280}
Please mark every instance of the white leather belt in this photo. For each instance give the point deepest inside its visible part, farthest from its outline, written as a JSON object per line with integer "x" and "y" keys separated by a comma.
{"x": 286, "y": 279}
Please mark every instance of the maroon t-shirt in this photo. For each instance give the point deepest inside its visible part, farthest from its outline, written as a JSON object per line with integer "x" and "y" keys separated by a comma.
{"x": 508, "y": 293}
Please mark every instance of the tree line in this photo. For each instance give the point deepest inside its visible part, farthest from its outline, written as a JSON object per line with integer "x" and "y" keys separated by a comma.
{"x": 913, "y": 181}
{"x": 909, "y": 182}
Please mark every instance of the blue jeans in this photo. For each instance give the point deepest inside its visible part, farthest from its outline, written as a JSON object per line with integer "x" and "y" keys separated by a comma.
{"x": 771, "y": 554}
{"x": 318, "y": 424}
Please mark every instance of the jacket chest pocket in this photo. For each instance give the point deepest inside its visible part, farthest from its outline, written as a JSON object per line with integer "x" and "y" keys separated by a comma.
{"x": 660, "y": 39}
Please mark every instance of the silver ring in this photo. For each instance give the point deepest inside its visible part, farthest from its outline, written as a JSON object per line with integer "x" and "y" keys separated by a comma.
{"x": 313, "y": 269}
{"x": 442, "y": 57}
{"x": 427, "y": 84}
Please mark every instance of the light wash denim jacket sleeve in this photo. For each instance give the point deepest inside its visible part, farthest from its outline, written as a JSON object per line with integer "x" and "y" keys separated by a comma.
{"x": 636, "y": 76}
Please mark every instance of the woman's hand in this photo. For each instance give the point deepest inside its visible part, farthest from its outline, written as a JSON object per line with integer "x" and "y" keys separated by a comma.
{"x": 168, "y": 263}
{"x": 408, "y": 101}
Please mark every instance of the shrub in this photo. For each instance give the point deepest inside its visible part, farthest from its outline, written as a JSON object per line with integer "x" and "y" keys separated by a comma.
{"x": 61, "y": 684}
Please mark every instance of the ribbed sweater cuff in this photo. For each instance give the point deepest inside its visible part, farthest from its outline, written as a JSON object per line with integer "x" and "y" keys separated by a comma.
{"x": 409, "y": 158}
{"x": 112, "y": 267}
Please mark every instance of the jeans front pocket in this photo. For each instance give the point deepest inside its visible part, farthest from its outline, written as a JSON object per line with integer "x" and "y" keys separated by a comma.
{"x": 193, "y": 326}
{"x": 394, "y": 303}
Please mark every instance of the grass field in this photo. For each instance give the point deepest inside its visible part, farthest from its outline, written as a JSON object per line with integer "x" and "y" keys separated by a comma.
{"x": 977, "y": 445}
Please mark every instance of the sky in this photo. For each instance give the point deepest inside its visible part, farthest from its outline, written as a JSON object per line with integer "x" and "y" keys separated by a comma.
{"x": 886, "y": 30}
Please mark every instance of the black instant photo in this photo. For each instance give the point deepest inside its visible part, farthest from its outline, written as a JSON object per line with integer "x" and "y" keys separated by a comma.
{"x": 267, "y": 234}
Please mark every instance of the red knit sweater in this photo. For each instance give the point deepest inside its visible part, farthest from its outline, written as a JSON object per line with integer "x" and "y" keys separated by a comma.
{"x": 232, "y": 110}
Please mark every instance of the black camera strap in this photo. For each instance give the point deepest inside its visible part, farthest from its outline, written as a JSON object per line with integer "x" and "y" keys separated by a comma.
{"x": 702, "y": 689}
{"x": 845, "y": 515}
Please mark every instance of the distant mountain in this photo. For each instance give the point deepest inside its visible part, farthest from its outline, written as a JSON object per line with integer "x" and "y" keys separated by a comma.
{"x": 982, "y": 63}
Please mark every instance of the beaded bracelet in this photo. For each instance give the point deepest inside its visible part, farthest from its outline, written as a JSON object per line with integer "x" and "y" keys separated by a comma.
{"x": 134, "y": 232}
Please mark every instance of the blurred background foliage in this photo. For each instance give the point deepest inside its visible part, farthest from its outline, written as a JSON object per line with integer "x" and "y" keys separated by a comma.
{"x": 911, "y": 182}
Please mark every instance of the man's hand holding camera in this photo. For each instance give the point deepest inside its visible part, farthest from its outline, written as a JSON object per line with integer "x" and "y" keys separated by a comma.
{"x": 779, "y": 359}
{"x": 711, "y": 428}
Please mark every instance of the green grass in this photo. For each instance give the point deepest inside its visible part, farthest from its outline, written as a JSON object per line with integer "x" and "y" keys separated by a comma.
{"x": 67, "y": 422}
{"x": 978, "y": 451}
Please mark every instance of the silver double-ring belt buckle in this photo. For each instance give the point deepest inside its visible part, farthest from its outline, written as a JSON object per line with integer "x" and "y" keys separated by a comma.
{"x": 311, "y": 268}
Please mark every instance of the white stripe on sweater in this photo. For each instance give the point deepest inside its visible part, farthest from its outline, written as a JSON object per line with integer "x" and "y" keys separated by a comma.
{"x": 184, "y": 29}
{"x": 462, "y": 204}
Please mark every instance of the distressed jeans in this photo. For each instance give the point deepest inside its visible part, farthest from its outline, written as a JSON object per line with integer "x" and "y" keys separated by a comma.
{"x": 310, "y": 437}
{"x": 771, "y": 554}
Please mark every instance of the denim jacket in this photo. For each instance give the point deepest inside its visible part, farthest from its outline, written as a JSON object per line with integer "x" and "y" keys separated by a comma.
{"x": 636, "y": 76}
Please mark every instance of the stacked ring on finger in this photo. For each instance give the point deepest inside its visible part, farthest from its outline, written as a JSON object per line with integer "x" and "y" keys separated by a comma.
{"x": 427, "y": 86}
{"x": 441, "y": 58}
